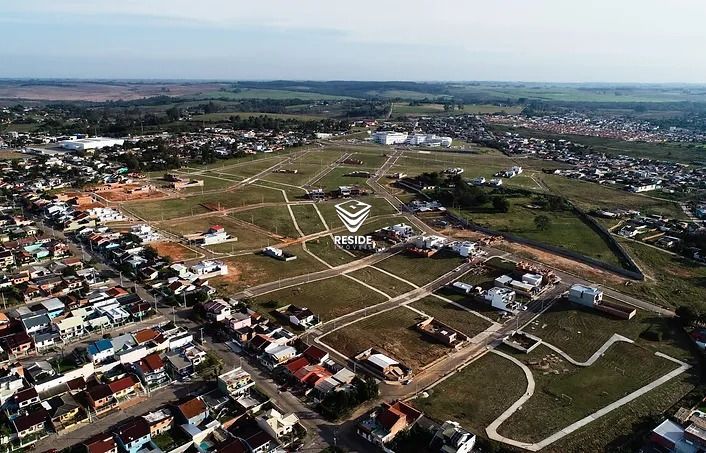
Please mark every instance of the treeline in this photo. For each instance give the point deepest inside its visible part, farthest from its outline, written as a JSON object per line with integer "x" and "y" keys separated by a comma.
{"x": 337, "y": 405}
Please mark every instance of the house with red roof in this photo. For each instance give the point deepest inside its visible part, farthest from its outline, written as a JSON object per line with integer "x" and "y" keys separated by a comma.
{"x": 385, "y": 422}
{"x": 152, "y": 371}
{"x": 101, "y": 443}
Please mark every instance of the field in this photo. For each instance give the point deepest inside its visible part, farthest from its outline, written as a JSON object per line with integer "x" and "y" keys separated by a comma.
{"x": 275, "y": 219}
{"x": 173, "y": 250}
{"x": 380, "y": 206}
{"x": 258, "y": 93}
{"x": 393, "y": 332}
{"x": 225, "y": 116}
{"x": 307, "y": 219}
{"x": 676, "y": 281}
{"x": 251, "y": 270}
{"x": 325, "y": 249}
{"x": 385, "y": 283}
{"x": 199, "y": 204}
{"x": 476, "y": 395}
{"x": 329, "y": 298}
{"x": 565, "y": 229}
{"x": 405, "y": 109}
{"x": 455, "y": 317}
{"x": 418, "y": 270}
{"x": 569, "y": 393}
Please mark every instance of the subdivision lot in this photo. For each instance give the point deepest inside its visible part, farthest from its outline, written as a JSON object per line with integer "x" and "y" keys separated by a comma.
{"x": 451, "y": 315}
{"x": 255, "y": 269}
{"x": 275, "y": 219}
{"x": 380, "y": 280}
{"x": 308, "y": 219}
{"x": 570, "y": 393}
{"x": 476, "y": 395}
{"x": 393, "y": 332}
{"x": 325, "y": 249}
{"x": 173, "y": 250}
{"x": 198, "y": 204}
{"x": 340, "y": 176}
{"x": 328, "y": 298}
{"x": 379, "y": 206}
{"x": 247, "y": 238}
{"x": 564, "y": 230}
{"x": 419, "y": 270}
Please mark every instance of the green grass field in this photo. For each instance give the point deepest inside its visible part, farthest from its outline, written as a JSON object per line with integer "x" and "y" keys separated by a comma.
{"x": 457, "y": 318}
{"x": 263, "y": 93}
{"x": 247, "y": 238}
{"x": 307, "y": 219}
{"x": 420, "y": 270}
{"x": 275, "y": 219}
{"x": 570, "y": 393}
{"x": 225, "y": 116}
{"x": 325, "y": 249}
{"x": 179, "y": 207}
{"x": 379, "y": 207}
{"x": 385, "y": 283}
{"x": 393, "y": 332}
{"x": 255, "y": 269}
{"x": 328, "y": 298}
{"x": 476, "y": 395}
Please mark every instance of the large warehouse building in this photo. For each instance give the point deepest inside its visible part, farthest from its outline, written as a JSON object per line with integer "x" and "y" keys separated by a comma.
{"x": 85, "y": 144}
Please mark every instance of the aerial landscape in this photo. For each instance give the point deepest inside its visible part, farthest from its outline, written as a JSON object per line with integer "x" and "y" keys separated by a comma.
{"x": 305, "y": 227}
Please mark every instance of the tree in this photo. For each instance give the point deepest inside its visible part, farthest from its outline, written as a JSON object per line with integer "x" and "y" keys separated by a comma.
{"x": 542, "y": 222}
{"x": 500, "y": 204}
{"x": 686, "y": 314}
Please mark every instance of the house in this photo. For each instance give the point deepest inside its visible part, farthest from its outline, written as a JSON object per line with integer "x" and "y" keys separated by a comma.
{"x": 278, "y": 425}
{"x": 64, "y": 412}
{"x": 384, "y": 423}
{"x": 35, "y": 322}
{"x": 276, "y": 354}
{"x": 217, "y": 310}
{"x": 502, "y": 299}
{"x": 25, "y": 398}
{"x": 452, "y": 438}
{"x": 32, "y": 423}
{"x": 179, "y": 367}
{"x": 101, "y": 443}
{"x": 585, "y": 295}
{"x": 46, "y": 340}
{"x": 315, "y": 355}
{"x": 100, "y": 398}
{"x": 192, "y": 411}
{"x": 125, "y": 387}
{"x": 17, "y": 345}
{"x": 235, "y": 382}
{"x": 152, "y": 371}
{"x": 54, "y": 307}
{"x": 133, "y": 435}
{"x": 300, "y": 317}
{"x": 255, "y": 438}
{"x": 386, "y": 367}
{"x": 160, "y": 421}
{"x": 209, "y": 268}
{"x": 100, "y": 351}
{"x": 71, "y": 327}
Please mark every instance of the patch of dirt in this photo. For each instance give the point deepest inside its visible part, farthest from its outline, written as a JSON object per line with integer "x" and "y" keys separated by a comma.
{"x": 240, "y": 275}
{"x": 574, "y": 267}
{"x": 174, "y": 250}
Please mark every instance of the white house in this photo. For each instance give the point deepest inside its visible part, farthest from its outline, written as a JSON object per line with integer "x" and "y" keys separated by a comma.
{"x": 585, "y": 295}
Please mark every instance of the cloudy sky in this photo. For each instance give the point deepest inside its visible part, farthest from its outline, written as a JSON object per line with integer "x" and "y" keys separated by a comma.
{"x": 528, "y": 40}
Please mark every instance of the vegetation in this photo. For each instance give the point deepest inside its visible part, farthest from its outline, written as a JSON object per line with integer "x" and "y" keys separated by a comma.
{"x": 338, "y": 405}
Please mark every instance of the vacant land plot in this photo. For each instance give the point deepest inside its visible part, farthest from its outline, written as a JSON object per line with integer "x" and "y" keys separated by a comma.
{"x": 328, "y": 298}
{"x": 393, "y": 332}
{"x": 307, "y": 219}
{"x": 564, "y": 230}
{"x": 198, "y": 204}
{"x": 476, "y": 395}
{"x": 245, "y": 169}
{"x": 472, "y": 303}
{"x": 453, "y": 316}
{"x": 380, "y": 280}
{"x": 672, "y": 275}
{"x": 173, "y": 250}
{"x": 569, "y": 393}
{"x": 275, "y": 219}
{"x": 340, "y": 176}
{"x": 380, "y": 206}
{"x": 418, "y": 270}
{"x": 325, "y": 249}
{"x": 252, "y": 270}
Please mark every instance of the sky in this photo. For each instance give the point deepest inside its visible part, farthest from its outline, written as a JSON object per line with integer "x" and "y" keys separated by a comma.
{"x": 517, "y": 40}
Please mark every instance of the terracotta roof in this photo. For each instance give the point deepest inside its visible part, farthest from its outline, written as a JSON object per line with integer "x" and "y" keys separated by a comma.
{"x": 192, "y": 408}
{"x": 76, "y": 384}
{"x": 123, "y": 383}
{"x": 151, "y": 363}
{"x": 296, "y": 364}
{"x": 314, "y": 354}
{"x": 393, "y": 412}
{"x": 116, "y": 291}
{"x": 100, "y": 443}
{"x": 146, "y": 335}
